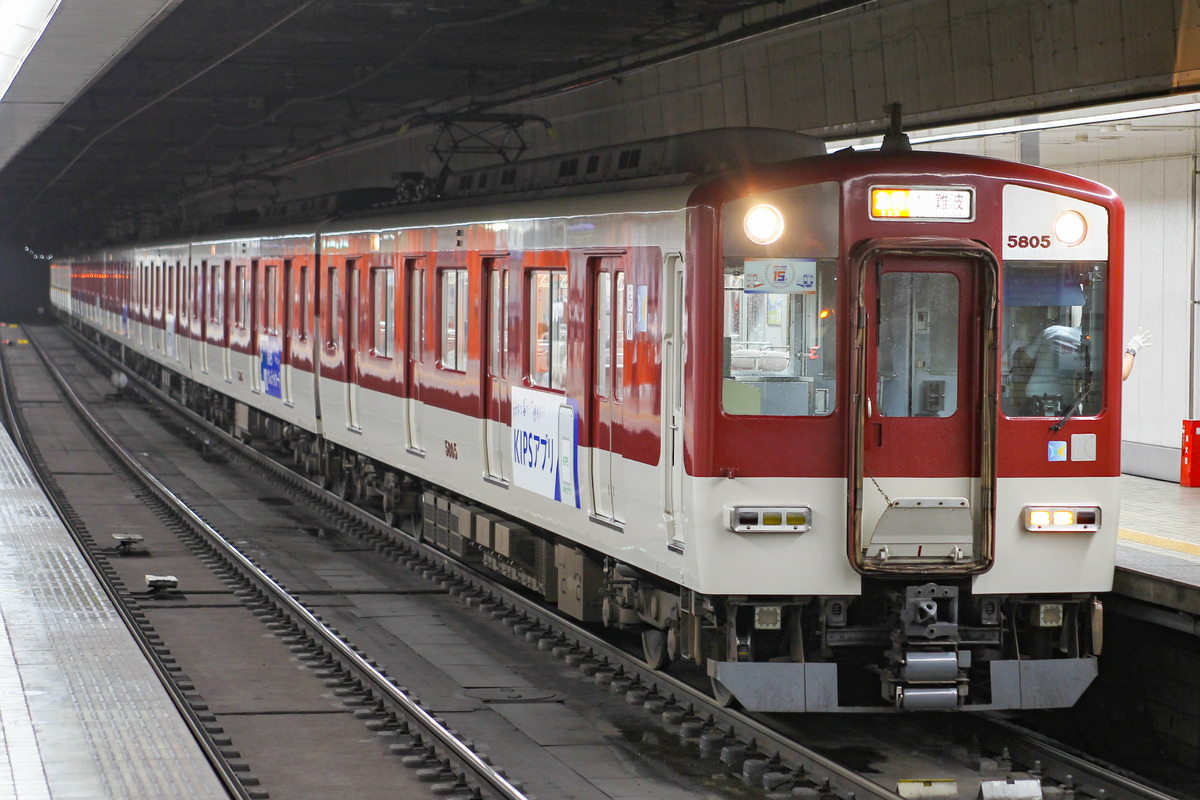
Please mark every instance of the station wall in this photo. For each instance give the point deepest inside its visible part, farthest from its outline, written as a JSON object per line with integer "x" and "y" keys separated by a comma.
{"x": 1160, "y": 232}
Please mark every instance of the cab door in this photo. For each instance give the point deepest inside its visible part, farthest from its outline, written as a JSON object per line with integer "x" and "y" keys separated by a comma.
{"x": 606, "y": 400}
{"x": 923, "y": 440}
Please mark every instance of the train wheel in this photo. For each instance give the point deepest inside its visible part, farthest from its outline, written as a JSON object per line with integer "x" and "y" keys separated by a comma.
{"x": 723, "y": 696}
{"x": 654, "y": 648}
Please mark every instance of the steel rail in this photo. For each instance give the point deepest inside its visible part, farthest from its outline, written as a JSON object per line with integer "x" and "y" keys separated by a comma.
{"x": 1058, "y": 765}
{"x": 835, "y": 779}
{"x": 380, "y": 681}
{"x": 17, "y": 429}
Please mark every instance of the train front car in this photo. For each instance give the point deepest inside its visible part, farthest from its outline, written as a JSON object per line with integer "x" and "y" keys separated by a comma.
{"x": 905, "y": 402}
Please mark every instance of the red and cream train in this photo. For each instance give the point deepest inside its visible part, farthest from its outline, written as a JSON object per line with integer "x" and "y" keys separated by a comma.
{"x": 842, "y": 429}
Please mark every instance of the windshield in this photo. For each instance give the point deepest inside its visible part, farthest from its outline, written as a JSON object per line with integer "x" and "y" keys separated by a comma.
{"x": 1052, "y": 342}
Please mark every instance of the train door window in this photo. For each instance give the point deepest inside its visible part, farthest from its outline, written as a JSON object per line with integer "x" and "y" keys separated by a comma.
{"x": 197, "y": 290}
{"x": 623, "y": 320}
{"x": 271, "y": 323}
{"x": 780, "y": 351}
{"x": 353, "y": 322}
{"x": 383, "y": 310}
{"x": 242, "y": 297}
{"x": 333, "y": 327}
{"x": 547, "y": 355}
{"x": 185, "y": 292}
{"x": 455, "y": 321}
{"x": 917, "y": 374}
{"x": 158, "y": 293}
{"x": 1052, "y": 339}
{"x": 216, "y": 289}
{"x": 302, "y": 305}
{"x": 498, "y": 339}
{"x": 229, "y": 313}
{"x": 416, "y": 306}
{"x": 604, "y": 346}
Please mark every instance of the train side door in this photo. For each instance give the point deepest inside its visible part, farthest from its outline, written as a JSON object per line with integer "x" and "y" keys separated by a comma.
{"x": 414, "y": 347}
{"x": 498, "y": 447}
{"x": 924, "y": 470}
{"x": 353, "y": 323}
{"x": 607, "y": 384}
{"x": 673, "y": 355}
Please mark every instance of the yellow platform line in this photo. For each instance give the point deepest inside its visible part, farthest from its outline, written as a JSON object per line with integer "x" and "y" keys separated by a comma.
{"x": 1191, "y": 548}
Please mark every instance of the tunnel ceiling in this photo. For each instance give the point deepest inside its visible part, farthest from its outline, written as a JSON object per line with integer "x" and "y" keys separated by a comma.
{"x": 224, "y": 91}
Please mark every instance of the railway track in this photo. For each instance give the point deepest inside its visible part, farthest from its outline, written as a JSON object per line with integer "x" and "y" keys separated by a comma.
{"x": 899, "y": 756}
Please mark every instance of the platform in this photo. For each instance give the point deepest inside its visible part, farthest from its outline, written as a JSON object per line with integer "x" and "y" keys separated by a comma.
{"x": 82, "y": 715}
{"x": 1158, "y": 558}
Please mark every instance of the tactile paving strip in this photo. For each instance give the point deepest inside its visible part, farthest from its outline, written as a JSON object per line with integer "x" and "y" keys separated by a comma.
{"x": 82, "y": 715}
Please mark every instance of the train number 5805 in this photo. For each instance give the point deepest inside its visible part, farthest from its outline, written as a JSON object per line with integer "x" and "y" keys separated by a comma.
{"x": 1027, "y": 242}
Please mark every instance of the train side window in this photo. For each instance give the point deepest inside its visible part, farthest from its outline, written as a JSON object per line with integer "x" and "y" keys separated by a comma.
{"x": 780, "y": 353}
{"x": 548, "y": 292}
{"x": 383, "y": 310}
{"x": 455, "y": 322}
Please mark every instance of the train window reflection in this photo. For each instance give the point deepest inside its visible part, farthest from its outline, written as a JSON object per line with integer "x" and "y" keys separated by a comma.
{"x": 1052, "y": 339}
{"x": 780, "y": 348}
{"x": 455, "y": 320}
{"x": 548, "y": 329}
{"x": 383, "y": 309}
{"x": 917, "y": 370}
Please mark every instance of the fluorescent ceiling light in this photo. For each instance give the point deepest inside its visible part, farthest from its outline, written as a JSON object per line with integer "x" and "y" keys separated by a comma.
{"x": 22, "y": 23}
{"x": 1122, "y": 114}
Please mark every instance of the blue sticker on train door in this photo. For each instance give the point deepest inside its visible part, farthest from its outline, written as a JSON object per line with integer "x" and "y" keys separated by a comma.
{"x": 271, "y": 348}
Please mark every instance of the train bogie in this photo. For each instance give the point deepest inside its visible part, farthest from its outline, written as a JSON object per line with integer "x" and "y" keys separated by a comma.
{"x": 843, "y": 431}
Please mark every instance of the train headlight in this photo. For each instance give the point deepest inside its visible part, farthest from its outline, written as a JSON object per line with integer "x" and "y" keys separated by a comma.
{"x": 772, "y": 519}
{"x": 1070, "y": 228}
{"x": 1061, "y": 518}
{"x": 763, "y": 224}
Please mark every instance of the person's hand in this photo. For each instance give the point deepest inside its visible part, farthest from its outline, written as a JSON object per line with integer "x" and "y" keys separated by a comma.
{"x": 1140, "y": 339}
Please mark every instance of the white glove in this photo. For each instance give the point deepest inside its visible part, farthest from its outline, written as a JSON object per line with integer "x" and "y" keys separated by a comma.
{"x": 1140, "y": 339}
